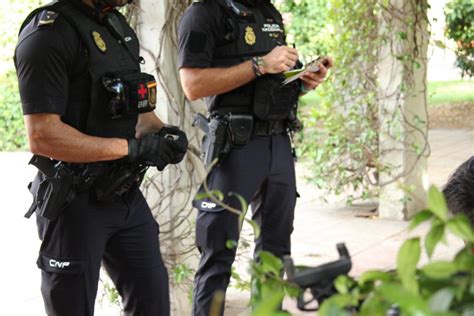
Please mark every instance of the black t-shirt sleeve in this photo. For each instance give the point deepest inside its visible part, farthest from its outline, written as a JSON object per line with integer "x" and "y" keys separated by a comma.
{"x": 43, "y": 60}
{"x": 196, "y": 37}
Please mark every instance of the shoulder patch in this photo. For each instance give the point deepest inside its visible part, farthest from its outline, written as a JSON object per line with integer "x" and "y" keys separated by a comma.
{"x": 47, "y": 17}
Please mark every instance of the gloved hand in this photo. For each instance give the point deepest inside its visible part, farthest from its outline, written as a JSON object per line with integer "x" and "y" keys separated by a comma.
{"x": 152, "y": 150}
{"x": 177, "y": 140}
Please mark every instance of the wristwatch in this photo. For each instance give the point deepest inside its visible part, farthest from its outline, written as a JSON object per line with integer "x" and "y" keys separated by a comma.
{"x": 257, "y": 64}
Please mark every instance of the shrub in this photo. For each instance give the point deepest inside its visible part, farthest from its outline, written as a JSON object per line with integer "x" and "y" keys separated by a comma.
{"x": 436, "y": 288}
{"x": 460, "y": 28}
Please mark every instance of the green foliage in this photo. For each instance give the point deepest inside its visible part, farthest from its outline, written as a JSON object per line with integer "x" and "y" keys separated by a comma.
{"x": 307, "y": 25}
{"x": 436, "y": 288}
{"x": 460, "y": 28}
{"x": 341, "y": 136}
{"x": 439, "y": 92}
{"x": 342, "y": 126}
{"x": 407, "y": 259}
{"x": 182, "y": 272}
{"x": 240, "y": 283}
{"x": 110, "y": 295}
{"x": 450, "y": 92}
{"x": 11, "y": 118}
{"x": 268, "y": 287}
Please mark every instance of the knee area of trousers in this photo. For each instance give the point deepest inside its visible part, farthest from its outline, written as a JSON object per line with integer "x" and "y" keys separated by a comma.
{"x": 64, "y": 294}
{"x": 215, "y": 228}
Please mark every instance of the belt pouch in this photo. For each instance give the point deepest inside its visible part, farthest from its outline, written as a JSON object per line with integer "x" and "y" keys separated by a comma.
{"x": 240, "y": 129}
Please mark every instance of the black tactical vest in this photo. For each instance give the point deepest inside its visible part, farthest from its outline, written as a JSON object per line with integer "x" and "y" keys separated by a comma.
{"x": 256, "y": 35}
{"x": 106, "y": 55}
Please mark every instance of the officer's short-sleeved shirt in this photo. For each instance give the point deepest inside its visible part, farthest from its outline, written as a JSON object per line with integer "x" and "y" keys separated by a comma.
{"x": 200, "y": 29}
{"x": 51, "y": 61}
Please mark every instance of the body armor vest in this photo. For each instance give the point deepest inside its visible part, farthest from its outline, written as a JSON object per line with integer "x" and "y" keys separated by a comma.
{"x": 106, "y": 55}
{"x": 249, "y": 37}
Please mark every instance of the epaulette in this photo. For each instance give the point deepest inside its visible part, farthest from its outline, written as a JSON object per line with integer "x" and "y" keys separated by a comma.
{"x": 47, "y": 17}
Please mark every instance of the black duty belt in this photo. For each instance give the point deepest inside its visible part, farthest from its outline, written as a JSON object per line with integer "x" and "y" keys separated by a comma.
{"x": 268, "y": 128}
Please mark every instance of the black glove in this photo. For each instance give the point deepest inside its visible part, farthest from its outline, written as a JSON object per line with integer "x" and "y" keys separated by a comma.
{"x": 151, "y": 150}
{"x": 177, "y": 140}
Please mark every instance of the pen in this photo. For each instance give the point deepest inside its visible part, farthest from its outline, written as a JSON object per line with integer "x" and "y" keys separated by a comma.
{"x": 281, "y": 44}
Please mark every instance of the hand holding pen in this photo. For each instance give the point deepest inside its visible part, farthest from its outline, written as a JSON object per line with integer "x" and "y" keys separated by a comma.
{"x": 282, "y": 58}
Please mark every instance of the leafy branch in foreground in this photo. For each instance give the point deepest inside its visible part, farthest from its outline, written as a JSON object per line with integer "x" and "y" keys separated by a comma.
{"x": 442, "y": 287}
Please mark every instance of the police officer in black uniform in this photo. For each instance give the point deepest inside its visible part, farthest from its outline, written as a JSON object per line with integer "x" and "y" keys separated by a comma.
{"x": 90, "y": 122}
{"x": 234, "y": 53}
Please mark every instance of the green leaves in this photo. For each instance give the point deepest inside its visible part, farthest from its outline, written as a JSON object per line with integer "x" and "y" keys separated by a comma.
{"x": 270, "y": 305}
{"x": 433, "y": 238}
{"x": 465, "y": 259}
{"x": 437, "y": 203}
{"x": 215, "y": 193}
{"x": 374, "y": 275}
{"x": 440, "y": 44}
{"x": 459, "y": 28}
{"x": 441, "y": 224}
{"x": 268, "y": 287}
{"x": 255, "y": 227}
{"x": 441, "y": 300}
{"x": 336, "y": 306}
{"x": 181, "y": 273}
{"x": 343, "y": 284}
{"x": 270, "y": 263}
{"x": 409, "y": 303}
{"x": 420, "y": 218}
{"x": 440, "y": 269}
{"x": 407, "y": 259}
{"x": 231, "y": 244}
{"x": 439, "y": 288}
{"x": 461, "y": 227}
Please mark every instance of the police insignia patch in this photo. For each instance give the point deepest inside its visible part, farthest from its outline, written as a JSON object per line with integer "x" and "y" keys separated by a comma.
{"x": 99, "y": 41}
{"x": 250, "y": 37}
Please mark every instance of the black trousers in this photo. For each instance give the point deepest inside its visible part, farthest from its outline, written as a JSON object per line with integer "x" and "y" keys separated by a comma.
{"x": 123, "y": 235}
{"x": 263, "y": 173}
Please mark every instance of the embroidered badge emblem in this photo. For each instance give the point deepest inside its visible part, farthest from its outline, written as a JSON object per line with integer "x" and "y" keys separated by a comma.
{"x": 152, "y": 93}
{"x": 99, "y": 41}
{"x": 250, "y": 37}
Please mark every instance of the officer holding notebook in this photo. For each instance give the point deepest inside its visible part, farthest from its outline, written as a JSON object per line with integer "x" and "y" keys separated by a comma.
{"x": 234, "y": 54}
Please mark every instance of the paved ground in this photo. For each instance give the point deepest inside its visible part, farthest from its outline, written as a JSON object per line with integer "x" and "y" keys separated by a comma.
{"x": 372, "y": 242}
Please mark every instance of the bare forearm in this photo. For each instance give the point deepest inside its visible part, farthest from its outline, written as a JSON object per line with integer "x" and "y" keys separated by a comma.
{"x": 50, "y": 137}
{"x": 199, "y": 83}
{"x": 148, "y": 123}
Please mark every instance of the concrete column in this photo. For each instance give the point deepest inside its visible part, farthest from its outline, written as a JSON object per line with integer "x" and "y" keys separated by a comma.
{"x": 170, "y": 192}
{"x": 403, "y": 115}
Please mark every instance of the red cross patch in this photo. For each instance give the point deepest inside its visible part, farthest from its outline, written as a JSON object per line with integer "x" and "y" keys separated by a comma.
{"x": 142, "y": 91}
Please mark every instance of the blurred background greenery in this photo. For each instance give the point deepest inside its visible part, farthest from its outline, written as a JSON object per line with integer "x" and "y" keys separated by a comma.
{"x": 11, "y": 119}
